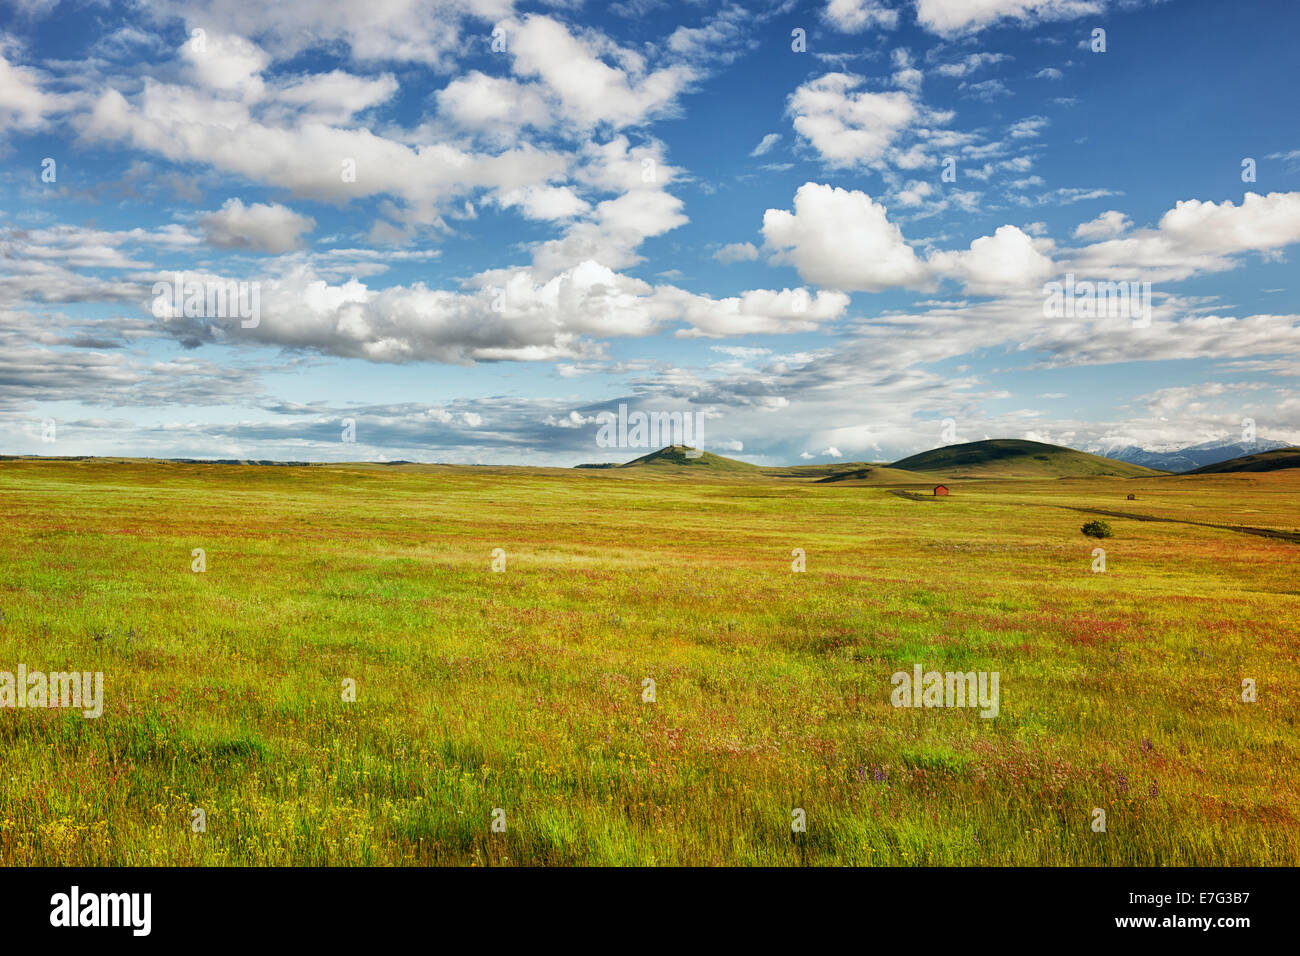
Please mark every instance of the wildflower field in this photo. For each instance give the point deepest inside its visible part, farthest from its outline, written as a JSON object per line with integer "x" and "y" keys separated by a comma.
{"x": 518, "y": 695}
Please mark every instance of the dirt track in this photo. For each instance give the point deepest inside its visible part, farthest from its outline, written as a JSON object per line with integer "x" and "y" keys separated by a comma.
{"x": 1291, "y": 536}
{"x": 1241, "y": 529}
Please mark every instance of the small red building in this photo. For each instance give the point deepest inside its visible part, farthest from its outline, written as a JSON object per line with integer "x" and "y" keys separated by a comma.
{"x": 941, "y": 490}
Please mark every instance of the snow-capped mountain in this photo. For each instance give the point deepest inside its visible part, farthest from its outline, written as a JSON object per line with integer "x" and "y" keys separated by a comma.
{"x": 1195, "y": 456}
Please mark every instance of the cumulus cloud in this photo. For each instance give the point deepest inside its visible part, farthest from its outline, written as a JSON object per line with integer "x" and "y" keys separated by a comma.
{"x": 334, "y": 97}
{"x": 227, "y": 63}
{"x": 1105, "y": 226}
{"x": 737, "y": 252}
{"x": 855, "y": 16}
{"x": 544, "y": 202}
{"x": 432, "y": 32}
{"x": 842, "y": 239}
{"x": 501, "y": 315}
{"x": 1007, "y": 261}
{"x": 846, "y": 126}
{"x": 962, "y": 16}
{"x": 24, "y": 105}
{"x": 758, "y": 312}
{"x": 587, "y": 90}
{"x": 261, "y": 227}
{"x": 188, "y": 125}
{"x": 497, "y": 106}
{"x": 1197, "y": 237}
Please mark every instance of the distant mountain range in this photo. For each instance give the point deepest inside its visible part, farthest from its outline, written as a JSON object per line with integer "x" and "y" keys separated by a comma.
{"x": 1196, "y": 456}
{"x": 991, "y": 458}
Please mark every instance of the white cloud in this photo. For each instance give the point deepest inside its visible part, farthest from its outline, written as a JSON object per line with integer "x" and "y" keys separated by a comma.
{"x": 589, "y": 91}
{"x": 1291, "y": 158}
{"x": 544, "y": 202}
{"x": 1196, "y": 237}
{"x": 737, "y": 252}
{"x": 497, "y": 106}
{"x": 23, "y": 104}
{"x": 613, "y": 231}
{"x": 962, "y": 16}
{"x": 849, "y": 128}
{"x": 1027, "y": 128}
{"x": 335, "y": 97}
{"x": 841, "y": 239}
{"x": 501, "y": 315}
{"x": 765, "y": 144}
{"x": 757, "y": 312}
{"x": 970, "y": 63}
{"x": 916, "y": 192}
{"x": 185, "y": 124}
{"x": 259, "y": 226}
{"x": 1105, "y": 226}
{"x": 1005, "y": 262}
{"x": 227, "y": 63}
{"x": 433, "y": 32}
{"x": 855, "y": 16}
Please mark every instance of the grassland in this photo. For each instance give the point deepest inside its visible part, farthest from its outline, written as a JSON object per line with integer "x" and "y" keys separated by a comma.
{"x": 1264, "y": 461}
{"x": 1013, "y": 457}
{"x": 522, "y": 689}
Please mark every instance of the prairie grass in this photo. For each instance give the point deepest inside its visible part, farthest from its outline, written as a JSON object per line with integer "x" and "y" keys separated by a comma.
{"x": 521, "y": 690}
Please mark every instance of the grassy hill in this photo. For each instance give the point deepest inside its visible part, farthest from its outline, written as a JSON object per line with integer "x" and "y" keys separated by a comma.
{"x": 1265, "y": 461}
{"x": 1015, "y": 458}
{"x": 998, "y": 458}
{"x": 876, "y": 474}
{"x": 675, "y": 456}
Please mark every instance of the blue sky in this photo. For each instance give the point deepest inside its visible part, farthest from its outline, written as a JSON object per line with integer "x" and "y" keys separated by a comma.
{"x": 823, "y": 228}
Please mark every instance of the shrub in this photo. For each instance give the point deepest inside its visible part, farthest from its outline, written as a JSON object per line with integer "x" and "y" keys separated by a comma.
{"x": 1097, "y": 529}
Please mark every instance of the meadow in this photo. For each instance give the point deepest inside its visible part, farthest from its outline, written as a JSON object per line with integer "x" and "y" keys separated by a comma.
{"x": 522, "y": 689}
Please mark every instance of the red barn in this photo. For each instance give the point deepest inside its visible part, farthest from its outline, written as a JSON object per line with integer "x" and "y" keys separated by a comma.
{"x": 941, "y": 490}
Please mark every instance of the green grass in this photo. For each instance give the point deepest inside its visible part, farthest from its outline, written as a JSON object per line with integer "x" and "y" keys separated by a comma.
{"x": 522, "y": 689}
{"x": 1264, "y": 461}
{"x": 1007, "y": 457}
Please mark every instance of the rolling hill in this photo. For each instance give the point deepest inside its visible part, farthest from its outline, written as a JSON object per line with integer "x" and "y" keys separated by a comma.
{"x": 675, "y": 456}
{"x": 996, "y": 458}
{"x": 1274, "y": 460}
{"x": 1015, "y": 458}
{"x": 876, "y": 474}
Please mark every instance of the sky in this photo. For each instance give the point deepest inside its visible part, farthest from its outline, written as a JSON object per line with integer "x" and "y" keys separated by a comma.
{"x": 470, "y": 230}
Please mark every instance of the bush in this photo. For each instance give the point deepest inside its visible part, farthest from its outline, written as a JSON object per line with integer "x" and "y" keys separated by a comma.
{"x": 1097, "y": 529}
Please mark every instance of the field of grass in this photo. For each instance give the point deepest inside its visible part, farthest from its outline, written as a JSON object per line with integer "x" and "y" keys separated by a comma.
{"x": 522, "y": 689}
{"x": 1013, "y": 457}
